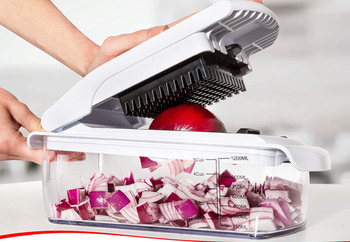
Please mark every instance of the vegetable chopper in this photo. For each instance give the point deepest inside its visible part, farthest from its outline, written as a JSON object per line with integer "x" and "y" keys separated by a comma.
{"x": 223, "y": 184}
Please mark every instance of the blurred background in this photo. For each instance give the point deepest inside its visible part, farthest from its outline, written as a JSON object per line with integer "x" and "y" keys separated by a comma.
{"x": 299, "y": 86}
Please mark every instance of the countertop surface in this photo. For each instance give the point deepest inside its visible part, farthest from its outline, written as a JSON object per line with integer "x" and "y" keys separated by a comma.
{"x": 22, "y": 210}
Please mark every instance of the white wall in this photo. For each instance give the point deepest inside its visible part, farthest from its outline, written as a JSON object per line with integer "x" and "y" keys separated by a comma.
{"x": 299, "y": 86}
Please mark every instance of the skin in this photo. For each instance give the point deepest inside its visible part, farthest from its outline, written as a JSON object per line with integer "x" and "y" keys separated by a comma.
{"x": 40, "y": 23}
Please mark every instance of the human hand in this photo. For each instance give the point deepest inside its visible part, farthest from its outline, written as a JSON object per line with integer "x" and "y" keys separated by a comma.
{"x": 114, "y": 46}
{"x": 13, "y": 145}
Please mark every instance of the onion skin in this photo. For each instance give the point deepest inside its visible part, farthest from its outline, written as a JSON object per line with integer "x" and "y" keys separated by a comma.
{"x": 188, "y": 117}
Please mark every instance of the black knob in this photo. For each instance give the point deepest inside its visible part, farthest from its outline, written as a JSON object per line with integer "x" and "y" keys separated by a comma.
{"x": 248, "y": 131}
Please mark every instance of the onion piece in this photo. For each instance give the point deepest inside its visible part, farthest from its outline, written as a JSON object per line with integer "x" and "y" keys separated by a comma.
{"x": 70, "y": 214}
{"x": 98, "y": 182}
{"x": 151, "y": 197}
{"x": 186, "y": 209}
{"x": 76, "y": 196}
{"x": 211, "y": 219}
{"x": 131, "y": 197}
{"x": 128, "y": 188}
{"x": 117, "y": 200}
{"x": 112, "y": 181}
{"x": 167, "y": 190}
{"x": 179, "y": 223}
{"x": 226, "y": 178}
{"x": 147, "y": 162}
{"x": 198, "y": 223}
{"x": 156, "y": 183}
{"x": 54, "y": 212}
{"x": 263, "y": 225}
{"x": 63, "y": 206}
{"x": 275, "y": 194}
{"x": 188, "y": 165}
{"x": 130, "y": 214}
{"x": 129, "y": 179}
{"x": 172, "y": 197}
{"x": 273, "y": 203}
{"x": 84, "y": 184}
{"x": 169, "y": 211}
{"x": 169, "y": 180}
{"x": 86, "y": 212}
{"x": 153, "y": 168}
{"x": 145, "y": 213}
{"x": 261, "y": 213}
{"x": 175, "y": 167}
{"x": 118, "y": 216}
{"x": 98, "y": 199}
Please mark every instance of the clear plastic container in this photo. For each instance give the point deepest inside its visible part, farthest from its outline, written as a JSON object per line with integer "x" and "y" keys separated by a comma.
{"x": 227, "y": 197}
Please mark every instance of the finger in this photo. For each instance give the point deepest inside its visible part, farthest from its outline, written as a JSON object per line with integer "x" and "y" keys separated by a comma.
{"x": 180, "y": 20}
{"x": 257, "y": 1}
{"x": 73, "y": 156}
{"x": 122, "y": 43}
{"x": 25, "y": 153}
{"x": 25, "y": 117}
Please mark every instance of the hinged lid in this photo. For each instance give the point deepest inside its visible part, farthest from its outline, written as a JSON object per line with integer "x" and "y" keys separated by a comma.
{"x": 235, "y": 28}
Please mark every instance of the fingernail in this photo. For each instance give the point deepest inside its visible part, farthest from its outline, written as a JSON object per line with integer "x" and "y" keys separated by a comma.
{"x": 157, "y": 30}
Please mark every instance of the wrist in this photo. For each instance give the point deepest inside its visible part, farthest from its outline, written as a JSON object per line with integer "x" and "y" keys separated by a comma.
{"x": 90, "y": 55}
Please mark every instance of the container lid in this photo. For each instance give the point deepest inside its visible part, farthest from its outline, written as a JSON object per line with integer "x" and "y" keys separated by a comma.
{"x": 247, "y": 149}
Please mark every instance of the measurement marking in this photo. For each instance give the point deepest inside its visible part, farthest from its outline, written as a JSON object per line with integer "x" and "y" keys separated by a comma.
{"x": 210, "y": 173}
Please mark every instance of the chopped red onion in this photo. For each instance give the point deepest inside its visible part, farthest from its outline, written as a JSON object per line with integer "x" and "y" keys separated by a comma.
{"x": 98, "y": 199}
{"x": 172, "y": 197}
{"x": 76, "y": 196}
{"x": 226, "y": 178}
{"x": 117, "y": 200}
{"x": 186, "y": 209}
{"x": 263, "y": 225}
{"x": 86, "y": 212}
{"x": 169, "y": 211}
{"x": 130, "y": 213}
{"x": 129, "y": 179}
{"x": 273, "y": 203}
{"x": 175, "y": 167}
{"x": 147, "y": 162}
{"x": 54, "y": 212}
{"x": 70, "y": 214}
{"x": 198, "y": 223}
{"x": 275, "y": 194}
{"x": 98, "y": 183}
{"x": 63, "y": 206}
{"x": 151, "y": 197}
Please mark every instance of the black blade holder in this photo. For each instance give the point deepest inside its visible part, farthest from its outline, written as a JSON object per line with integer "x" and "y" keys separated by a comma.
{"x": 202, "y": 80}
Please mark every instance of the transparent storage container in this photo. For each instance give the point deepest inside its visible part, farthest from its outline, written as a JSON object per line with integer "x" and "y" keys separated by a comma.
{"x": 215, "y": 195}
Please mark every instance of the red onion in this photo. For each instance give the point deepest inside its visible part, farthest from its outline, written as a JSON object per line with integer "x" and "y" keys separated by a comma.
{"x": 188, "y": 117}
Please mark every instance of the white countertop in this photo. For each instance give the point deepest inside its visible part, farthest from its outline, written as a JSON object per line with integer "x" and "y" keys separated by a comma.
{"x": 22, "y": 210}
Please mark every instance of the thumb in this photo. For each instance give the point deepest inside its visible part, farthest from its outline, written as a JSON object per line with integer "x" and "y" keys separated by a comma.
{"x": 25, "y": 153}
{"x": 26, "y": 118}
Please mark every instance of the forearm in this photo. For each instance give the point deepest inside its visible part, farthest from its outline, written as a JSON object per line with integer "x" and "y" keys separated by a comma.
{"x": 43, "y": 25}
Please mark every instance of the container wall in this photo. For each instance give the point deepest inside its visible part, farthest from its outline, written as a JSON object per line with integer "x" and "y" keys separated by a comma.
{"x": 210, "y": 195}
